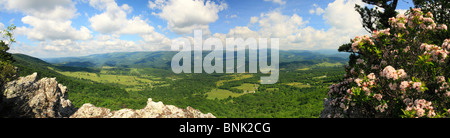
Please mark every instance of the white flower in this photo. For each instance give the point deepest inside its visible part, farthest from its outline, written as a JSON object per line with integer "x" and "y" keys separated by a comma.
{"x": 367, "y": 90}
{"x": 378, "y": 96}
{"x": 393, "y": 86}
{"x": 420, "y": 112}
{"x": 440, "y": 79}
{"x": 358, "y": 81}
{"x": 404, "y": 85}
{"x": 359, "y": 61}
{"x": 390, "y": 73}
{"x": 426, "y": 19}
{"x": 417, "y": 86}
{"x": 431, "y": 114}
{"x": 401, "y": 73}
{"x": 371, "y": 76}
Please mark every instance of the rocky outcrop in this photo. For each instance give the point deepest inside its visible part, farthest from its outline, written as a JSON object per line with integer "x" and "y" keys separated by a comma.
{"x": 152, "y": 110}
{"x": 28, "y": 97}
{"x": 330, "y": 111}
{"x": 45, "y": 98}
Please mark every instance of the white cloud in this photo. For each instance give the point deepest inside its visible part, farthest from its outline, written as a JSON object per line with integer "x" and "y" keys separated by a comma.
{"x": 253, "y": 20}
{"x": 317, "y": 10}
{"x": 242, "y": 32}
{"x": 294, "y": 32}
{"x": 52, "y": 29}
{"x": 281, "y": 2}
{"x": 52, "y": 26}
{"x": 156, "y": 4}
{"x": 231, "y": 16}
{"x": 342, "y": 16}
{"x": 49, "y": 19}
{"x": 114, "y": 21}
{"x": 183, "y": 16}
{"x": 275, "y": 24}
{"x": 39, "y": 6}
{"x": 401, "y": 11}
{"x": 271, "y": 25}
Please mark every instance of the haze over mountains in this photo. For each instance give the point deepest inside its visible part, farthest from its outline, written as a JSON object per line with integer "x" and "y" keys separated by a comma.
{"x": 162, "y": 59}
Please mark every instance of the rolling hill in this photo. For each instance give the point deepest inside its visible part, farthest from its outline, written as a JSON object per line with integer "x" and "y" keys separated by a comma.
{"x": 292, "y": 59}
{"x": 127, "y": 80}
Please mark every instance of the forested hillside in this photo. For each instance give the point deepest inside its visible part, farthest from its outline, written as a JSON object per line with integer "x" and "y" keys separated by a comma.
{"x": 299, "y": 92}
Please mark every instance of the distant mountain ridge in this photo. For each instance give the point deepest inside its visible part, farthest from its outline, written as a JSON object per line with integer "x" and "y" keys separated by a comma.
{"x": 162, "y": 59}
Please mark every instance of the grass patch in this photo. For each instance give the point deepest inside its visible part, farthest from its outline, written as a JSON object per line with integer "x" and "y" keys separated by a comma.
{"x": 247, "y": 87}
{"x": 234, "y": 77}
{"x": 221, "y": 94}
{"x": 131, "y": 83}
{"x": 298, "y": 85}
{"x": 303, "y": 69}
{"x": 328, "y": 64}
{"x": 320, "y": 77}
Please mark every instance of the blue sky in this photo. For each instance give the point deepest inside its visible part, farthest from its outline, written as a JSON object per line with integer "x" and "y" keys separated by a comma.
{"x": 61, "y": 28}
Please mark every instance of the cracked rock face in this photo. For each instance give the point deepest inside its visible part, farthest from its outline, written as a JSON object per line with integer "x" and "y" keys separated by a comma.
{"x": 31, "y": 98}
{"x": 28, "y": 97}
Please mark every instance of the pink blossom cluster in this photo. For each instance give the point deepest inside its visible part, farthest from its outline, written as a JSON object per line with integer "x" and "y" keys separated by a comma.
{"x": 445, "y": 44}
{"x": 365, "y": 84}
{"x": 377, "y": 34}
{"x": 416, "y": 17}
{"x": 390, "y": 73}
{"x": 359, "y": 61}
{"x": 361, "y": 41}
{"x": 420, "y": 106}
{"x": 398, "y": 22}
{"x": 378, "y": 96}
{"x": 338, "y": 87}
{"x": 443, "y": 86}
{"x": 402, "y": 50}
{"x": 381, "y": 107}
{"x": 404, "y": 85}
{"x": 410, "y": 84}
{"x": 442, "y": 27}
{"x": 424, "y": 22}
{"x": 437, "y": 53}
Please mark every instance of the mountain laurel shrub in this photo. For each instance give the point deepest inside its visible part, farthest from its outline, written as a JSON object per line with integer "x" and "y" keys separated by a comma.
{"x": 400, "y": 71}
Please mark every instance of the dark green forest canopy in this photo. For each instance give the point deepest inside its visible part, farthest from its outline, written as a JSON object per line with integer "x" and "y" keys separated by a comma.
{"x": 299, "y": 93}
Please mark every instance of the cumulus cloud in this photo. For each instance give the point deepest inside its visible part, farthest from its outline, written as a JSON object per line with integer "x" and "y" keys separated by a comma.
{"x": 316, "y": 10}
{"x": 50, "y": 23}
{"x": 56, "y": 9}
{"x": 49, "y": 19}
{"x": 294, "y": 32}
{"x": 281, "y": 2}
{"x": 183, "y": 16}
{"x": 401, "y": 11}
{"x": 273, "y": 24}
{"x": 57, "y": 36}
{"x": 342, "y": 16}
{"x": 114, "y": 20}
{"x": 253, "y": 20}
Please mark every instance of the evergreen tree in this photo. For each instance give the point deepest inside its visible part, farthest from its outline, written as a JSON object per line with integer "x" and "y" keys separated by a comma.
{"x": 439, "y": 8}
{"x": 8, "y": 71}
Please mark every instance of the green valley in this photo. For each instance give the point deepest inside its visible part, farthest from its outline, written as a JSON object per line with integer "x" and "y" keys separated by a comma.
{"x": 302, "y": 85}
